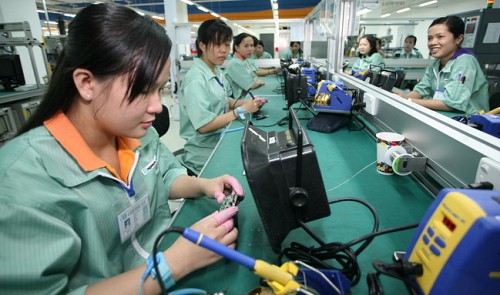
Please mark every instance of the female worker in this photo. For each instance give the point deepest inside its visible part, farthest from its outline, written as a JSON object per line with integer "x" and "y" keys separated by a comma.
{"x": 85, "y": 183}
{"x": 205, "y": 107}
{"x": 259, "y": 53}
{"x": 454, "y": 81}
{"x": 239, "y": 72}
{"x": 294, "y": 52}
{"x": 369, "y": 58}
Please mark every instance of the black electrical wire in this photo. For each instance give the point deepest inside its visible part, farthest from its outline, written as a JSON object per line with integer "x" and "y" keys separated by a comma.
{"x": 179, "y": 230}
{"x": 342, "y": 253}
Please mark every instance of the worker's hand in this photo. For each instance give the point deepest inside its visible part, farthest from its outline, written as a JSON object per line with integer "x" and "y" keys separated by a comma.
{"x": 225, "y": 217}
{"x": 399, "y": 93}
{"x": 261, "y": 100}
{"x": 184, "y": 257}
{"x": 259, "y": 83}
{"x": 219, "y": 187}
{"x": 251, "y": 105}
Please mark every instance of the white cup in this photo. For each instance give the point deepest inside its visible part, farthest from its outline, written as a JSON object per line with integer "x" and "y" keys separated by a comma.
{"x": 386, "y": 140}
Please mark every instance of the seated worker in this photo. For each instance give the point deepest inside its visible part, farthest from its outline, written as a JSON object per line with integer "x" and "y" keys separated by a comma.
{"x": 295, "y": 51}
{"x": 205, "y": 107}
{"x": 409, "y": 50}
{"x": 454, "y": 81}
{"x": 379, "y": 47}
{"x": 259, "y": 53}
{"x": 86, "y": 181}
{"x": 369, "y": 58}
{"x": 239, "y": 72}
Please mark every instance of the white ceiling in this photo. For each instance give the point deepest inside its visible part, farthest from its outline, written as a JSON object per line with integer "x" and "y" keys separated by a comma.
{"x": 433, "y": 11}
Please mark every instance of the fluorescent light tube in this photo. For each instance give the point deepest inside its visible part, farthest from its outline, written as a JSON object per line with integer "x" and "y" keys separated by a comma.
{"x": 427, "y": 3}
{"x": 363, "y": 11}
{"x": 202, "y": 8}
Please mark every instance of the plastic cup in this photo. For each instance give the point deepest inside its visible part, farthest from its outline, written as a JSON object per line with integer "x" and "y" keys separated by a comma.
{"x": 386, "y": 140}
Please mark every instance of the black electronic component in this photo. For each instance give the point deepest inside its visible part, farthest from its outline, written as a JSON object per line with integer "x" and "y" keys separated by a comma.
{"x": 11, "y": 71}
{"x": 295, "y": 88}
{"x": 285, "y": 179}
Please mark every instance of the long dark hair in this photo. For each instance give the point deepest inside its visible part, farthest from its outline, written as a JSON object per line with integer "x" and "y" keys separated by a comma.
{"x": 213, "y": 31}
{"x": 108, "y": 40}
{"x": 373, "y": 43}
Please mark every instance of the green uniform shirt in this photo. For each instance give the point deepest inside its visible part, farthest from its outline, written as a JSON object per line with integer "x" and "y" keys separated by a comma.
{"x": 413, "y": 54}
{"x": 462, "y": 81}
{"x": 240, "y": 76}
{"x": 265, "y": 55}
{"x": 364, "y": 62}
{"x": 202, "y": 98}
{"x": 289, "y": 54}
{"x": 59, "y": 221}
{"x": 253, "y": 66}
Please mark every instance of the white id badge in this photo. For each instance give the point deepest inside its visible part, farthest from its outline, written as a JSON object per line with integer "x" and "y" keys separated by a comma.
{"x": 439, "y": 95}
{"x": 134, "y": 217}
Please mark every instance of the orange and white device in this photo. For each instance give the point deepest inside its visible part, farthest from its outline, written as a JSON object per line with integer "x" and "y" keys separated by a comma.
{"x": 458, "y": 244}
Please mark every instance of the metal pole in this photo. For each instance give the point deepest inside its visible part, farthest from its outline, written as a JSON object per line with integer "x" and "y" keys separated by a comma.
{"x": 46, "y": 16}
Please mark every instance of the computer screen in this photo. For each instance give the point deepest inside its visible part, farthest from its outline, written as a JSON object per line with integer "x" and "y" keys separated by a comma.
{"x": 283, "y": 173}
{"x": 11, "y": 71}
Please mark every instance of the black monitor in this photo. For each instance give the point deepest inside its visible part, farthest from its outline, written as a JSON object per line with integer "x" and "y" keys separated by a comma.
{"x": 285, "y": 179}
{"x": 11, "y": 71}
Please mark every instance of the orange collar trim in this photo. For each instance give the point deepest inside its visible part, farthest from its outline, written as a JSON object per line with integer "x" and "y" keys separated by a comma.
{"x": 68, "y": 136}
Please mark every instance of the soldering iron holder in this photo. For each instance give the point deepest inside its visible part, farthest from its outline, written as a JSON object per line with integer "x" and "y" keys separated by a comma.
{"x": 404, "y": 162}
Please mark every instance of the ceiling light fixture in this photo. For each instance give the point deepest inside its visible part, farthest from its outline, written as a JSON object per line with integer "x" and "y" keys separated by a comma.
{"x": 187, "y": 2}
{"x": 403, "y": 10}
{"x": 214, "y": 14}
{"x": 427, "y": 3}
{"x": 275, "y": 10}
{"x": 385, "y": 15}
{"x": 201, "y": 8}
{"x": 363, "y": 11}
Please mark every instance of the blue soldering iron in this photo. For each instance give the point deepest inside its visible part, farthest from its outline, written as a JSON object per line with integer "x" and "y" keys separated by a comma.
{"x": 280, "y": 279}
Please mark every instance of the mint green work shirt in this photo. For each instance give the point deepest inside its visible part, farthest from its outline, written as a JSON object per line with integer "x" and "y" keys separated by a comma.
{"x": 59, "y": 223}
{"x": 462, "y": 81}
{"x": 413, "y": 54}
{"x": 265, "y": 55}
{"x": 253, "y": 66}
{"x": 289, "y": 55}
{"x": 364, "y": 62}
{"x": 239, "y": 74}
{"x": 202, "y": 98}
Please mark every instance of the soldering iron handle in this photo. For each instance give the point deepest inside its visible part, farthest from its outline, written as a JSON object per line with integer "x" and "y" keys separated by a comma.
{"x": 219, "y": 248}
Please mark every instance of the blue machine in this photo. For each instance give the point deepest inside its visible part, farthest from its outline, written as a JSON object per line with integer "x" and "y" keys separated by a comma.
{"x": 487, "y": 123}
{"x": 458, "y": 244}
{"x": 331, "y": 98}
